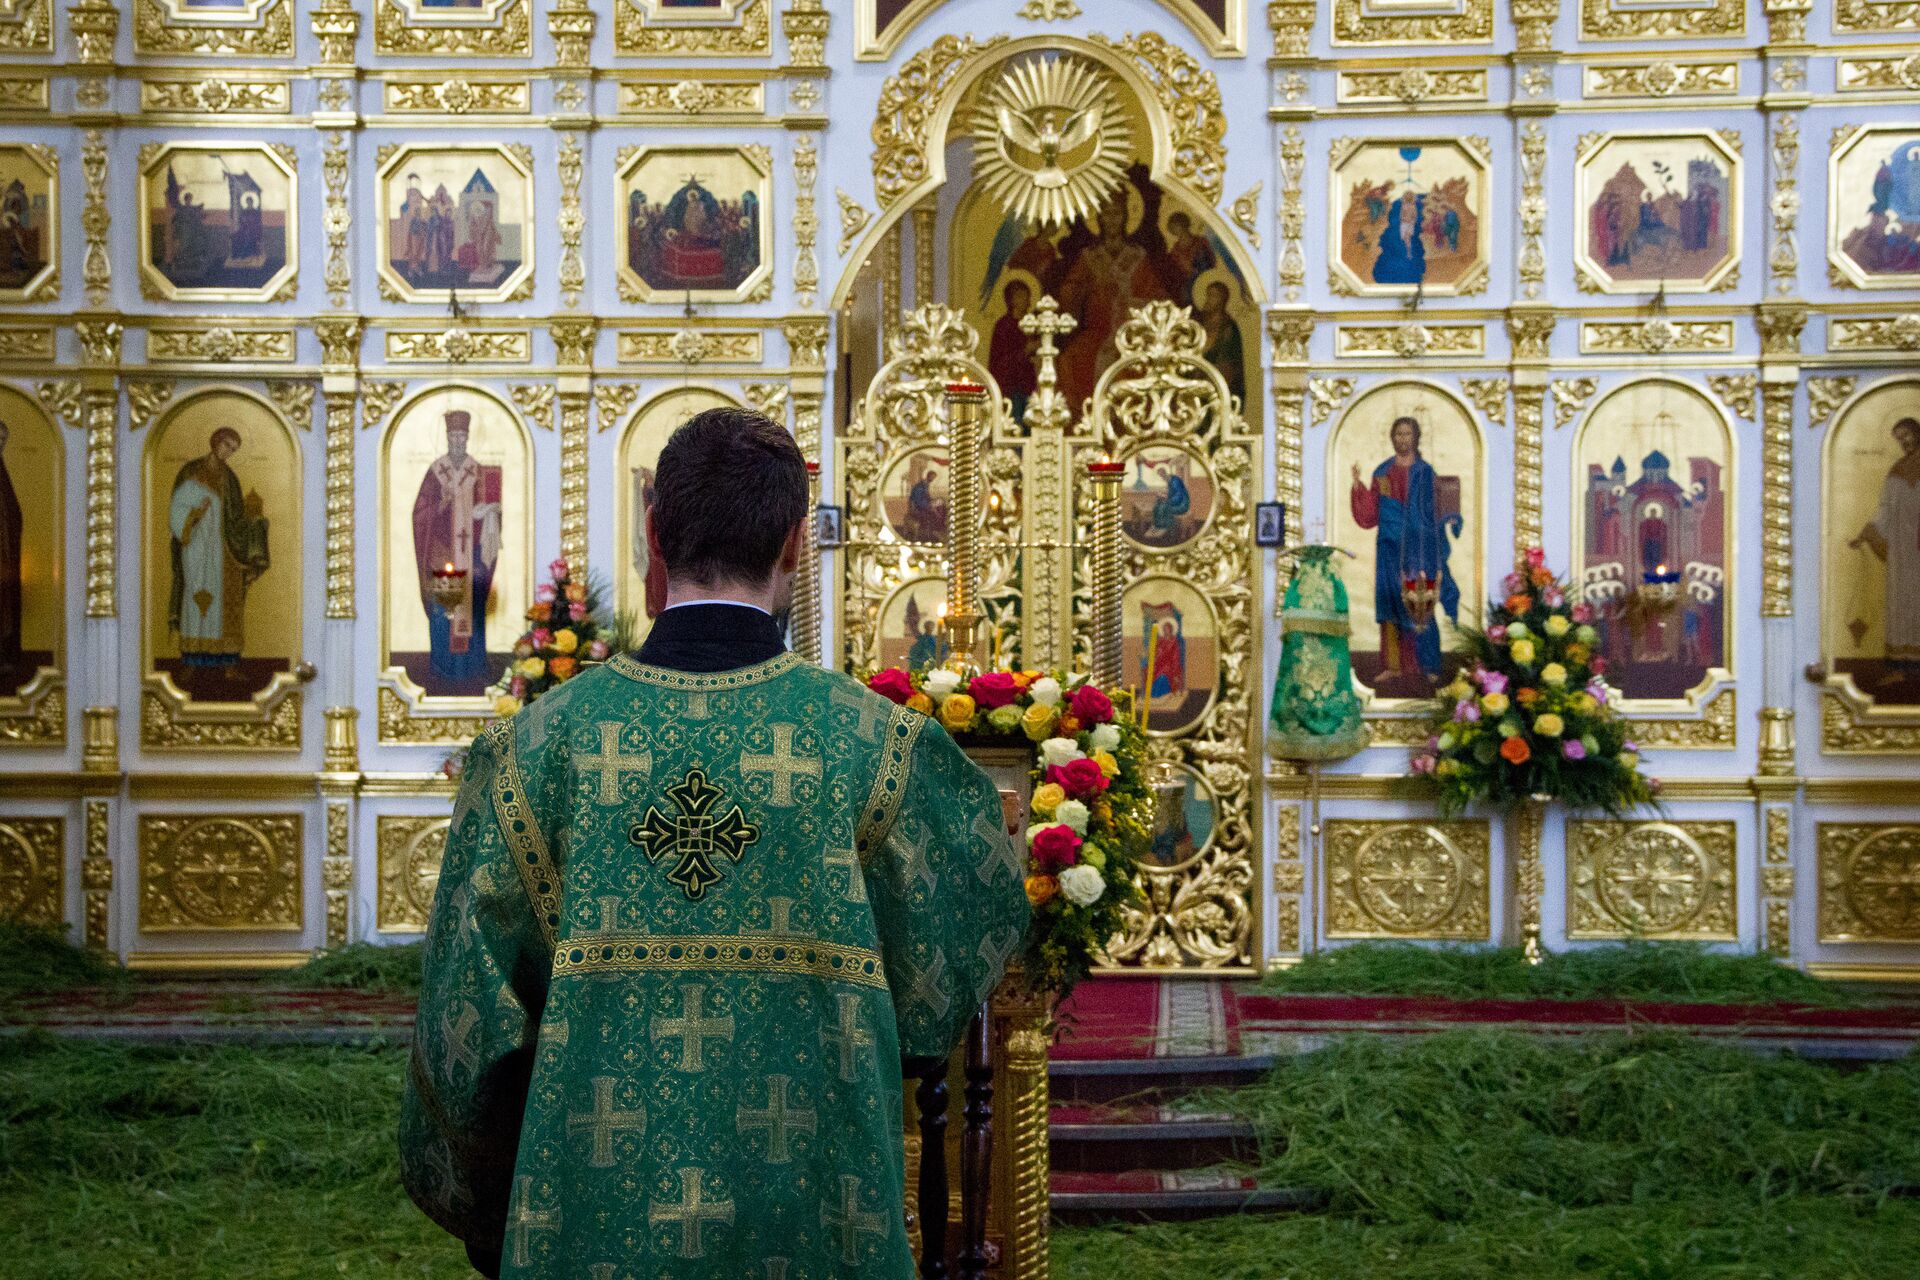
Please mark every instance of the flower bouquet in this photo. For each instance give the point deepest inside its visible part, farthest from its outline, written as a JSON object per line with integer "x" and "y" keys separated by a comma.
{"x": 1090, "y": 810}
{"x": 1531, "y": 714}
{"x": 568, "y": 629}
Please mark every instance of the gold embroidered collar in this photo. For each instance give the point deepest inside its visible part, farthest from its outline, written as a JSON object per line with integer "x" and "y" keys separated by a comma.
{"x": 739, "y": 678}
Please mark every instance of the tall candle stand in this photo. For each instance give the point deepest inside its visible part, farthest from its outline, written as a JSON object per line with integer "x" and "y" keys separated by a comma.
{"x": 806, "y": 588}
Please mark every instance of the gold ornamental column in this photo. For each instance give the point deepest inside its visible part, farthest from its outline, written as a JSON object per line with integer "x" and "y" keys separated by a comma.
{"x": 1104, "y": 482}
{"x": 806, "y": 580}
{"x": 966, "y": 402}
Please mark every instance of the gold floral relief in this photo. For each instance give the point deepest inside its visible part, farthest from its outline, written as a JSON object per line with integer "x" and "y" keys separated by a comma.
{"x": 252, "y": 28}
{"x": 1867, "y": 17}
{"x": 651, "y": 29}
{"x": 1407, "y": 879}
{"x": 220, "y": 871}
{"x": 27, "y": 28}
{"x": 1652, "y": 880}
{"x": 1638, "y": 20}
{"x": 482, "y": 28}
{"x": 410, "y": 848}
{"x": 1385, "y": 22}
{"x": 1869, "y": 881}
{"x": 33, "y": 857}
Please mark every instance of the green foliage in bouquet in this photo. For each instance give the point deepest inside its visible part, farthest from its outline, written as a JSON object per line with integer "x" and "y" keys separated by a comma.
{"x": 1530, "y": 713}
{"x": 1090, "y": 812}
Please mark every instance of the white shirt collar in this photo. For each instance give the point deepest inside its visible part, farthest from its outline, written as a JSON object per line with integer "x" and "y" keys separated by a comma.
{"x": 688, "y": 604}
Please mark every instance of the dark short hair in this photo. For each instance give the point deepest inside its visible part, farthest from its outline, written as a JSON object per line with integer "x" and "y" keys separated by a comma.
{"x": 729, "y": 488}
{"x": 1410, "y": 421}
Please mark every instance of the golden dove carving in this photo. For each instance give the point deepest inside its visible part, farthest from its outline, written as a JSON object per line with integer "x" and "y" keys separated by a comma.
{"x": 1049, "y": 140}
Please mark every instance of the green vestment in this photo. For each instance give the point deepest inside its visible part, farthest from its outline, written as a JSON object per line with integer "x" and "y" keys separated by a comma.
{"x": 695, "y": 921}
{"x": 1316, "y": 714}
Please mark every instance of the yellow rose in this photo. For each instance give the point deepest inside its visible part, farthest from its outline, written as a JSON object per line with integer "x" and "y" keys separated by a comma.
{"x": 565, "y": 641}
{"x": 1037, "y": 722}
{"x": 1495, "y": 704}
{"x": 1046, "y": 798}
{"x": 1554, "y": 674}
{"x": 531, "y": 668}
{"x": 922, "y": 703}
{"x": 1583, "y": 703}
{"x": 505, "y": 705}
{"x": 1549, "y": 725}
{"x": 1558, "y": 625}
{"x": 1522, "y": 652}
{"x": 1629, "y": 758}
{"x": 956, "y": 713}
{"x": 1108, "y": 765}
{"x": 1459, "y": 689}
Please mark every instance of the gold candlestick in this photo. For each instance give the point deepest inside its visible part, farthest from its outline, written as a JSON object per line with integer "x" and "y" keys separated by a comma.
{"x": 806, "y": 582}
{"x": 966, "y": 405}
{"x": 1104, "y": 480}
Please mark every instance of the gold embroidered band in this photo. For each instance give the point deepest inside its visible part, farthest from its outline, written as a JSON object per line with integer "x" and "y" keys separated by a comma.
{"x": 739, "y": 679}
{"x": 890, "y": 783}
{"x": 525, "y": 840}
{"x": 773, "y": 953}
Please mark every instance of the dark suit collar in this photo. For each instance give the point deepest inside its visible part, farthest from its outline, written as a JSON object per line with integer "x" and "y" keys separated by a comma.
{"x": 711, "y": 637}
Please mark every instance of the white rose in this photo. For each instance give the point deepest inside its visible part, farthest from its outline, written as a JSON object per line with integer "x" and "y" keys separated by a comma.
{"x": 1082, "y": 885}
{"x": 1045, "y": 691}
{"x": 1106, "y": 737}
{"x": 1517, "y": 631}
{"x": 1074, "y": 814}
{"x": 1057, "y": 751}
{"x": 941, "y": 682}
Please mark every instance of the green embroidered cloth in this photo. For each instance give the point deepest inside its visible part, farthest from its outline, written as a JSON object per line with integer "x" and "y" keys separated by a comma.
{"x": 694, "y": 921}
{"x": 1316, "y": 714}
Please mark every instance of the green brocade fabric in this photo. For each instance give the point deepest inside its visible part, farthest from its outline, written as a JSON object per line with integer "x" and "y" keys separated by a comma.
{"x": 1316, "y": 715}
{"x": 695, "y": 921}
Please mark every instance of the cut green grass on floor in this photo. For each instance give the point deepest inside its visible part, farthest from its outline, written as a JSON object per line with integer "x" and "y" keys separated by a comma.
{"x": 36, "y": 960}
{"x": 1464, "y": 1156}
{"x": 1655, "y": 971}
{"x": 363, "y": 966}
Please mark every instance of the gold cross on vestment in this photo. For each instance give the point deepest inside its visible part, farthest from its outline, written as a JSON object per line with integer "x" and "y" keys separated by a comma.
{"x": 870, "y": 713}
{"x": 784, "y": 764}
{"x": 856, "y": 873}
{"x": 693, "y": 1030}
{"x": 782, "y": 911}
{"x": 929, "y": 985}
{"x": 605, "y": 1122}
{"x": 456, "y": 1033}
{"x": 524, "y": 1221}
{"x": 610, "y": 763}
{"x": 851, "y": 1222}
{"x": 847, "y": 1037}
{"x": 694, "y": 835}
{"x": 778, "y": 1118}
{"x": 693, "y": 1211}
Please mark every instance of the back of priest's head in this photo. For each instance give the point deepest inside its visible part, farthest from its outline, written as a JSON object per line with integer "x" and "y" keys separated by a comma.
{"x": 729, "y": 492}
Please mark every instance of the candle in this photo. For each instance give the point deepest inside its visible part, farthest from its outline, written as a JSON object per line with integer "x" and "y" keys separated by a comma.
{"x": 997, "y": 633}
{"x": 1146, "y": 703}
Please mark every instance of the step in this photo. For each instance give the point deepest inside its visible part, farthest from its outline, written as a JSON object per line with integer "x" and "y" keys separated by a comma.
{"x": 1094, "y": 1080}
{"x": 1088, "y": 1139}
{"x": 1170, "y": 1193}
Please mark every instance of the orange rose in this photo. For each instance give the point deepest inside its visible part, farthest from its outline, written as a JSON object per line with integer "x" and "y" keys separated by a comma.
{"x": 1068, "y": 726}
{"x": 560, "y": 668}
{"x": 1527, "y": 697}
{"x": 1578, "y": 653}
{"x": 1519, "y": 603}
{"x": 1021, "y": 680}
{"x": 1542, "y": 578}
{"x": 922, "y": 703}
{"x": 537, "y": 613}
{"x": 1516, "y": 751}
{"x": 576, "y": 592}
{"x": 1101, "y": 811}
{"x": 1040, "y": 888}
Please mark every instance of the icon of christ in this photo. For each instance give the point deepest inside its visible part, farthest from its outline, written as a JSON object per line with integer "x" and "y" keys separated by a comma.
{"x": 456, "y": 528}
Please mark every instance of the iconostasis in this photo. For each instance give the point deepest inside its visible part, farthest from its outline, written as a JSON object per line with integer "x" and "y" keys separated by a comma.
{"x": 325, "y": 325}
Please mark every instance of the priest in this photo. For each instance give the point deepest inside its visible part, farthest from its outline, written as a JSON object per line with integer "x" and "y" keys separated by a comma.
{"x": 695, "y": 908}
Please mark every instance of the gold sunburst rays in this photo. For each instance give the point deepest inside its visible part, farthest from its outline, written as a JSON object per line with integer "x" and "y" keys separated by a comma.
{"x": 1049, "y": 140}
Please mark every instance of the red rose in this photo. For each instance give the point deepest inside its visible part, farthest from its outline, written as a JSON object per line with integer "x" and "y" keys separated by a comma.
{"x": 1056, "y": 846}
{"x": 1090, "y": 705}
{"x": 993, "y": 689}
{"x": 892, "y": 684}
{"x": 1082, "y": 779}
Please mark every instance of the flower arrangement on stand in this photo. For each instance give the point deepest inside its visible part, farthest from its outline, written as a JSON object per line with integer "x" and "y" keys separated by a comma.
{"x": 569, "y": 628}
{"x": 1090, "y": 809}
{"x": 1530, "y": 715}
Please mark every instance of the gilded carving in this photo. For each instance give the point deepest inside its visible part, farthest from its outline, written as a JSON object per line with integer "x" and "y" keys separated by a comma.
{"x": 1662, "y": 79}
{"x": 1533, "y": 208}
{"x": 1866, "y": 17}
{"x": 459, "y": 345}
{"x": 145, "y": 398}
{"x": 575, "y": 411}
{"x": 399, "y": 724}
{"x": 405, "y": 28}
{"x": 36, "y": 716}
{"x": 570, "y": 24}
{"x": 410, "y": 848}
{"x": 1626, "y": 20}
{"x": 1783, "y": 259}
{"x": 535, "y": 402}
{"x": 1776, "y": 489}
{"x": 692, "y": 100}
{"x": 1736, "y": 391}
{"x": 806, "y": 221}
{"x": 336, "y": 873}
{"x": 747, "y": 33}
{"x": 1652, "y": 879}
{"x": 1489, "y": 396}
{"x": 1713, "y": 730}
{"x": 689, "y": 346}
{"x": 1410, "y": 340}
{"x": 1869, "y": 881}
{"x": 1191, "y": 98}
{"x": 295, "y": 398}
{"x": 1874, "y": 333}
{"x": 1780, "y": 324}
{"x": 1824, "y": 395}
{"x": 1245, "y": 212}
{"x": 31, "y": 344}
{"x": 1842, "y": 732}
{"x": 339, "y": 544}
{"x": 272, "y": 723}
{"x": 1658, "y": 336}
{"x": 159, "y": 26}
{"x": 458, "y": 96}
{"x": 220, "y": 871}
{"x": 1326, "y": 395}
{"x": 572, "y": 219}
{"x": 221, "y": 344}
{"x": 1289, "y": 877}
{"x": 806, "y": 342}
{"x": 1529, "y": 444}
{"x": 1368, "y": 22}
{"x": 1407, "y": 879}
{"x": 214, "y": 95}
{"x": 905, "y": 113}
{"x": 96, "y": 268}
{"x": 96, "y": 874}
{"x": 33, "y": 856}
{"x": 1895, "y": 74}
{"x": 1412, "y": 85}
{"x": 1293, "y": 212}
{"x": 1570, "y": 396}
{"x": 31, "y": 30}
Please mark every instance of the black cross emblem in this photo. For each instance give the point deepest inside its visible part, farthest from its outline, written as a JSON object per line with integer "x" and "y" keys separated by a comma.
{"x": 694, "y": 834}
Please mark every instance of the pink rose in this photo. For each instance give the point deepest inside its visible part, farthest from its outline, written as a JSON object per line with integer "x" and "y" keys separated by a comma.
{"x": 597, "y": 650}
{"x": 1583, "y": 613}
{"x": 1056, "y": 846}
{"x": 1599, "y": 666}
{"x": 1466, "y": 711}
{"x": 993, "y": 689}
{"x": 541, "y": 637}
{"x": 577, "y": 611}
{"x": 558, "y": 568}
{"x": 1497, "y": 634}
{"x": 1536, "y": 557}
{"x": 1090, "y": 706}
{"x": 893, "y": 684}
{"x": 1555, "y": 597}
{"x": 543, "y": 592}
{"x": 1513, "y": 584}
{"x": 1423, "y": 764}
{"x": 518, "y": 688}
{"x": 1083, "y": 778}
{"x": 1573, "y": 749}
{"x": 1491, "y": 681}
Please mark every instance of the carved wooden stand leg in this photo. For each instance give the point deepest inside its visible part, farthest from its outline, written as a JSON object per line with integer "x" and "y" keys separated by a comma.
{"x": 976, "y": 1148}
{"x": 930, "y": 1098}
